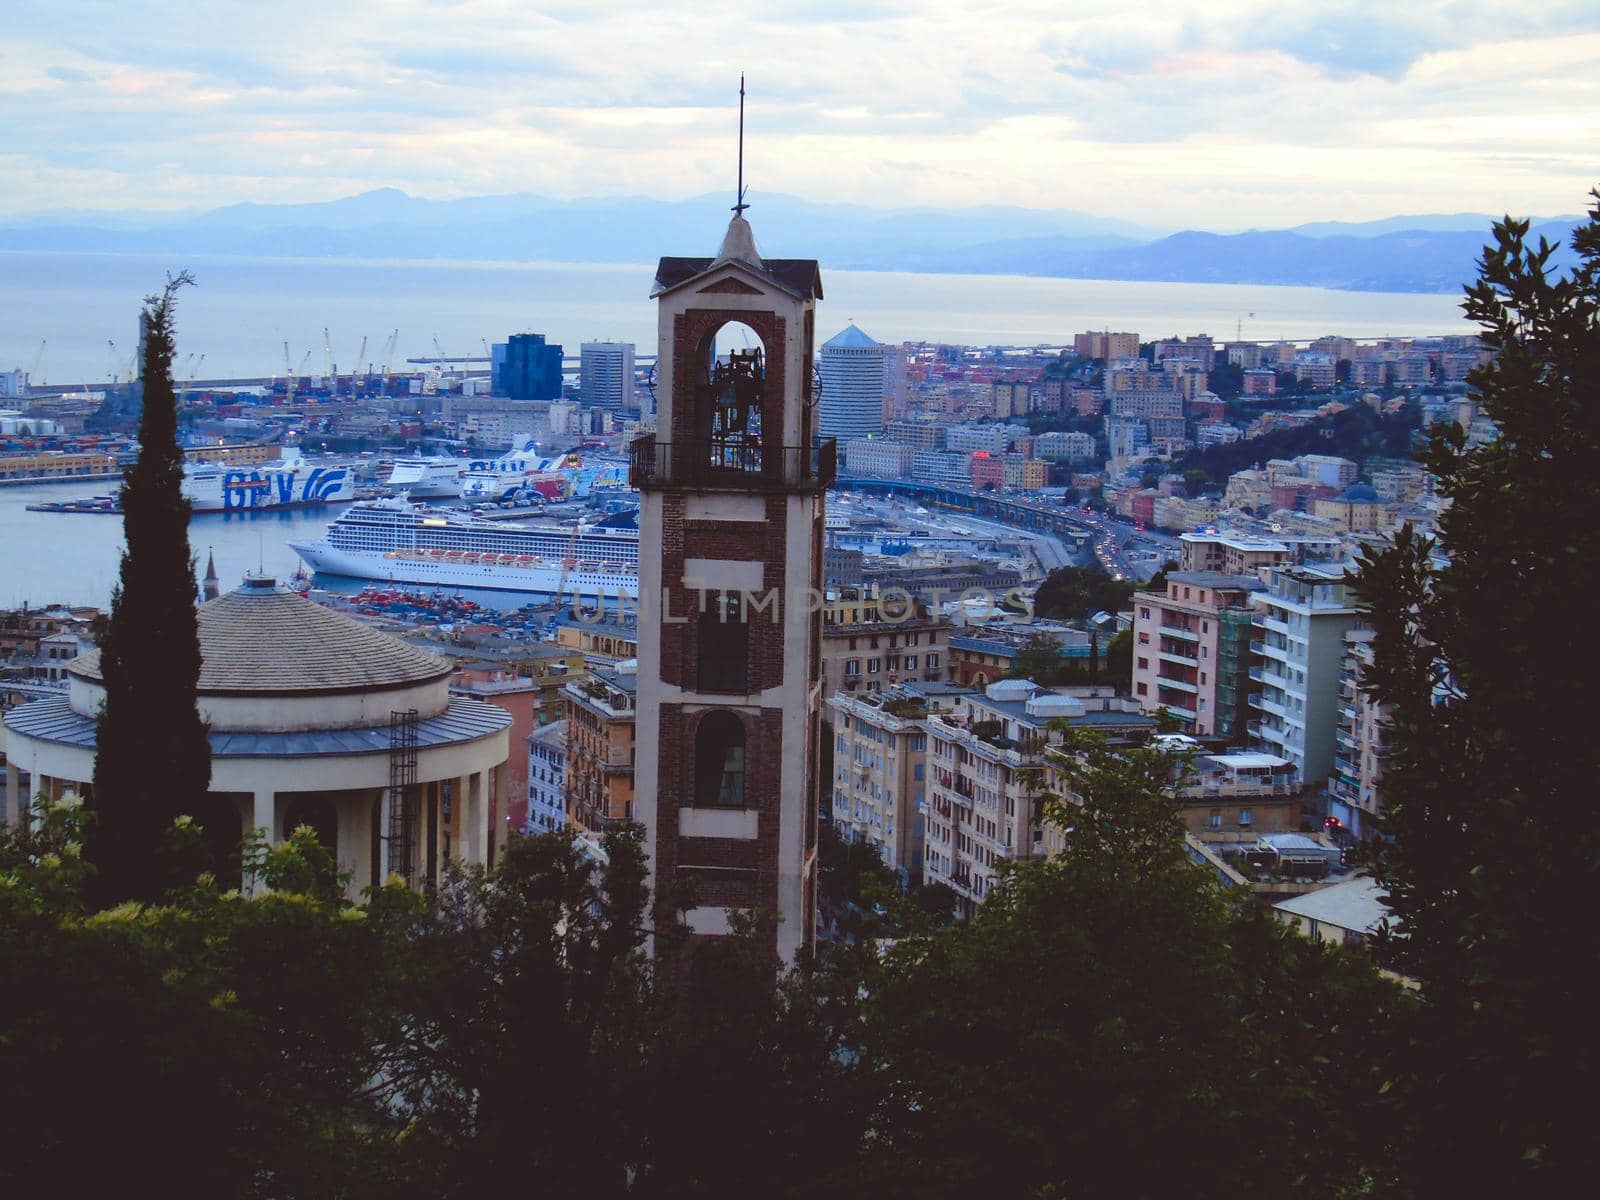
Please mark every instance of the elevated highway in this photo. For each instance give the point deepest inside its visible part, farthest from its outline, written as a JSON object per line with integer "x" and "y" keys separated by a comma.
{"x": 1019, "y": 512}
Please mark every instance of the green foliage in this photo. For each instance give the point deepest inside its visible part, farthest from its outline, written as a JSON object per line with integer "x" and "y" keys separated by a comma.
{"x": 1487, "y": 666}
{"x": 1357, "y": 433}
{"x": 215, "y": 1041}
{"x": 1225, "y": 379}
{"x": 1109, "y": 1024}
{"x": 153, "y": 759}
{"x": 1073, "y": 593}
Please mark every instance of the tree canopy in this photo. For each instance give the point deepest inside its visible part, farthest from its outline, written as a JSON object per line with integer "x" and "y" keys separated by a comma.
{"x": 1073, "y": 593}
{"x": 1484, "y": 659}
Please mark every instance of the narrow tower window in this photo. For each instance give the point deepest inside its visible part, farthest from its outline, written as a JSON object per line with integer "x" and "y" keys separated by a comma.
{"x": 719, "y": 761}
{"x": 724, "y": 645}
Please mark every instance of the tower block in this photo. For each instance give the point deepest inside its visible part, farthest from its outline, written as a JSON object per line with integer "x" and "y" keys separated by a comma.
{"x": 730, "y": 575}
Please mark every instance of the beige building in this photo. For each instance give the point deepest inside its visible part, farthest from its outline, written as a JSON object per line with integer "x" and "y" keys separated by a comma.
{"x": 986, "y": 773}
{"x": 1239, "y": 796}
{"x": 299, "y": 703}
{"x": 879, "y": 768}
{"x": 1231, "y": 553}
{"x": 599, "y": 767}
{"x": 866, "y": 649}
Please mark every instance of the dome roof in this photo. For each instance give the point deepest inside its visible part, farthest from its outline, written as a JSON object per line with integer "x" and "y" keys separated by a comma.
{"x": 1360, "y": 491}
{"x": 267, "y": 640}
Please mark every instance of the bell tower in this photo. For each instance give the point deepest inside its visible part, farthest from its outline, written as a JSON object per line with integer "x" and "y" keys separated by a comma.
{"x": 730, "y": 575}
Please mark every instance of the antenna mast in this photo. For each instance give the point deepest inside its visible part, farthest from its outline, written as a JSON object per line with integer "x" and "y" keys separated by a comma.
{"x": 739, "y": 204}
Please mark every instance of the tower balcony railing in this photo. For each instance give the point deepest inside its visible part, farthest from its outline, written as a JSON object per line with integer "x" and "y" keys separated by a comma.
{"x": 740, "y": 466}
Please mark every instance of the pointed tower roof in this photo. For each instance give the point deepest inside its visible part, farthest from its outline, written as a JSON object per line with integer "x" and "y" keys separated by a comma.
{"x": 211, "y": 564}
{"x": 739, "y": 245}
{"x": 851, "y": 338}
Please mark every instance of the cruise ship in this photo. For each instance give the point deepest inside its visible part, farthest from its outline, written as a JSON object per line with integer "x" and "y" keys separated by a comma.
{"x": 396, "y": 541}
{"x": 425, "y": 478}
{"x": 291, "y": 482}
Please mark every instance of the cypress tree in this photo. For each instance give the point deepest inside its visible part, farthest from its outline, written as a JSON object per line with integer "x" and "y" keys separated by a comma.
{"x": 154, "y": 760}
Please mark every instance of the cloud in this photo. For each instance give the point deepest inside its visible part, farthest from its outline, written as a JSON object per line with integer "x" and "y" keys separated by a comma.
{"x": 1227, "y": 113}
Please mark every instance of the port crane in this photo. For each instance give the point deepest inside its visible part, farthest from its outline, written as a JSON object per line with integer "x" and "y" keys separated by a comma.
{"x": 333, "y": 367}
{"x": 118, "y": 367}
{"x": 388, "y": 359}
{"x": 36, "y": 374}
{"x": 359, "y": 368}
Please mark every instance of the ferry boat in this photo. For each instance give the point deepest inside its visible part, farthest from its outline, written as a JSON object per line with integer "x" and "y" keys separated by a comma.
{"x": 397, "y": 541}
{"x": 427, "y": 478}
{"x": 524, "y": 472}
{"x": 291, "y": 482}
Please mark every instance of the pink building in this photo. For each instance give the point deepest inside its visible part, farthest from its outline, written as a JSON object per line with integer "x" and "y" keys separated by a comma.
{"x": 987, "y": 470}
{"x": 1191, "y": 650}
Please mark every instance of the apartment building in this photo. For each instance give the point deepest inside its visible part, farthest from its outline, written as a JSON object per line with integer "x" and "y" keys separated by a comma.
{"x": 920, "y": 435}
{"x": 1062, "y": 446}
{"x": 1230, "y": 553}
{"x": 1021, "y": 471}
{"x": 600, "y": 748}
{"x": 867, "y": 647}
{"x": 1301, "y": 620}
{"x": 991, "y": 439}
{"x": 878, "y": 459}
{"x": 942, "y": 467}
{"x": 879, "y": 768}
{"x": 1238, "y": 797}
{"x": 1260, "y": 381}
{"x": 1355, "y": 786}
{"x": 988, "y": 471}
{"x": 1190, "y": 650}
{"x": 1106, "y": 345}
{"x": 547, "y": 800}
{"x": 985, "y": 774}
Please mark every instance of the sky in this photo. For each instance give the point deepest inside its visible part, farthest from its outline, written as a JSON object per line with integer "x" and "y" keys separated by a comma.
{"x": 1220, "y": 115}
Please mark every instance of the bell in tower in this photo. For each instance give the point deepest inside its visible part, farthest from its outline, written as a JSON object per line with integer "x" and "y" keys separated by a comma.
{"x": 732, "y": 486}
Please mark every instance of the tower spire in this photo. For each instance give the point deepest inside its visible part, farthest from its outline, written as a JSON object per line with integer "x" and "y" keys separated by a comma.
{"x": 739, "y": 204}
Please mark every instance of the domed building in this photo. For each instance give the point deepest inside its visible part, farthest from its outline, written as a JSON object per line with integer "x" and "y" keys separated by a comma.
{"x": 315, "y": 719}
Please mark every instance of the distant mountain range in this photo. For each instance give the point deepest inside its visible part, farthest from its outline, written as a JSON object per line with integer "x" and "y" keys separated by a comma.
{"x": 1427, "y": 253}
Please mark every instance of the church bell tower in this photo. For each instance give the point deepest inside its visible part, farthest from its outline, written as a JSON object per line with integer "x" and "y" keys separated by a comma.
{"x": 732, "y": 488}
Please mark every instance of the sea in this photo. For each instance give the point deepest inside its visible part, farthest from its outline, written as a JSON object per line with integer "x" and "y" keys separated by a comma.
{"x": 76, "y": 317}
{"x": 84, "y": 310}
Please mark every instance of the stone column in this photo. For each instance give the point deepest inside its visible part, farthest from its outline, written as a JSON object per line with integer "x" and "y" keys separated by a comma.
{"x": 264, "y": 813}
{"x": 476, "y": 830}
{"x": 14, "y": 799}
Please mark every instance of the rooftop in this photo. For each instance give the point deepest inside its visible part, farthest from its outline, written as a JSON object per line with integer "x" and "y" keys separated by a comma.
{"x": 1355, "y": 904}
{"x": 267, "y": 640}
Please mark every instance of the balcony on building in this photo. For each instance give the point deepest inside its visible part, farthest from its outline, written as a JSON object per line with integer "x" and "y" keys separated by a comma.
{"x": 713, "y": 464}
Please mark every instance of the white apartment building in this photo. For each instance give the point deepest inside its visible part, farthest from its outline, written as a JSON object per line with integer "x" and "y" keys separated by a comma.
{"x": 854, "y": 383}
{"x": 1300, "y": 625}
{"x": 1064, "y": 446}
{"x": 877, "y": 458}
{"x": 547, "y": 759}
{"x": 993, "y": 440}
{"x": 942, "y": 466}
{"x": 1355, "y": 786}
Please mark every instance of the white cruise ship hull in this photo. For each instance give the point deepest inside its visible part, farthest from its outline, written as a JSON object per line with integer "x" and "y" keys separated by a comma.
{"x": 293, "y": 483}
{"x": 487, "y": 571}
{"x": 427, "y": 478}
